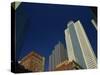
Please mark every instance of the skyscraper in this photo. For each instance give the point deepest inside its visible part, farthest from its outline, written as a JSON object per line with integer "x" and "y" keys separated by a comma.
{"x": 94, "y": 23}
{"x": 78, "y": 46}
{"x": 58, "y": 55}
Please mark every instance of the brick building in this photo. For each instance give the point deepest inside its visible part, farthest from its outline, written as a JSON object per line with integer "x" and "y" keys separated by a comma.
{"x": 33, "y": 62}
{"x": 67, "y": 65}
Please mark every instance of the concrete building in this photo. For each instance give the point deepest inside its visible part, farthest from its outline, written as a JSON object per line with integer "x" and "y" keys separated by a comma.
{"x": 78, "y": 46}
{"x": 58, "y": 55}
{"x": 94, "y": 23}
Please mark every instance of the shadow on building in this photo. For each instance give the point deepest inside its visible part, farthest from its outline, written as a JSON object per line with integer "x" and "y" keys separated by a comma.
{"x": 17, "y": 68}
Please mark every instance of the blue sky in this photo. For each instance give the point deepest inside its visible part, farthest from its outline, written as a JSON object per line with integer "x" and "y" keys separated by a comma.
{"x": 39, "y": 27}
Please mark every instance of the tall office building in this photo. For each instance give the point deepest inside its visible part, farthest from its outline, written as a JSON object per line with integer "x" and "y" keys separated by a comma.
{"x": 58, "y": 55}
{"x": 33, "y": 62}
{"x": 50, "y": 63}
{"x": 78, "y": 46}
{"x": 94, "y": 23}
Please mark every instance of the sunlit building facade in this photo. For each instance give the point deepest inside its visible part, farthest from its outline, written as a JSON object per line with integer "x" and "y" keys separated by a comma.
{"x": 33, "y": 62}
{"x": 58, "y": 55}
{"x": 78, "y": 46}
{"x": 68, "y": 65}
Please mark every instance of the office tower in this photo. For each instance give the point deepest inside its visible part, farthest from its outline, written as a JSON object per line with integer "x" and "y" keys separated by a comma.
{"x": 53, "y": 60}
{"x": 94, "y": 23}
{"x": 50, "y": 63}
{"x": 58, "y": 55}
{"x": 15, "y": 5}
{"x": 78, "y": 46}
{"x": 33, "y": 62}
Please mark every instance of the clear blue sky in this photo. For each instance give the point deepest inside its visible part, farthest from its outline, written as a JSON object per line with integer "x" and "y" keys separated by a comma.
{"x": 39, "y": 27}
